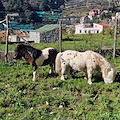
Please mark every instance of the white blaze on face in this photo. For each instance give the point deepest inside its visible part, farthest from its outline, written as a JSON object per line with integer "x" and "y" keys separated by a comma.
{"x": 110, "y": 76}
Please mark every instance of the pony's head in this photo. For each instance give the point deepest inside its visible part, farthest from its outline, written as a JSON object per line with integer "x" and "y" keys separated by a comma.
{"x": 109, "y": 75}
{"x": 18, "y": 52}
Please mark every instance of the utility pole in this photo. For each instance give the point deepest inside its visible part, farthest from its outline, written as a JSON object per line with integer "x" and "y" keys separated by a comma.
{"x": 60, "y": 36}
{"x": 115, "y": 37}
{"x": 87, "y": 4}
{"x": 109, "y": 4}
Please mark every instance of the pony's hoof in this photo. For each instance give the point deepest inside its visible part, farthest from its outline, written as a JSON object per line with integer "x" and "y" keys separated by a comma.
{"x": 62, "y": 78}
{"x": 33, "y": 80}
{"x": 89, "y": 83}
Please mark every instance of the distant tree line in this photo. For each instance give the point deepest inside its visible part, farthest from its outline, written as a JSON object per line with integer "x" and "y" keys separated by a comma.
{"x": 26, "y": 7}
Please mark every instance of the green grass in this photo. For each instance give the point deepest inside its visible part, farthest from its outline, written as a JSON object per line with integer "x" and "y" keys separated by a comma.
{"x": 49, "y": 98}
{"x": 75, "y": 42}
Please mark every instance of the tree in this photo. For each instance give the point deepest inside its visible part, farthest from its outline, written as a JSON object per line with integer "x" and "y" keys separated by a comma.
{"x": 25, "y": 8}
{"x": 109, "y": 32}
{"x": 29, "y": 16}
{"x": 34, "y": 4}
{"x": 44, "y": 6}
{"x": 1, "y": 7}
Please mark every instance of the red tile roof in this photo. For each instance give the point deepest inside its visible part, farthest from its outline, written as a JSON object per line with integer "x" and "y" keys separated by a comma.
{"x": 105, "y": 25}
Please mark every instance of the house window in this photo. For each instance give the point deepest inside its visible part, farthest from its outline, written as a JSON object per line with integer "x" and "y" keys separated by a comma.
{"x": 97, "y": 31}
{"x": 85, "y": 31}
{"x": 95, "y": 25}
{"x": 80, "y": 31}
{"x": 89, "y": 31}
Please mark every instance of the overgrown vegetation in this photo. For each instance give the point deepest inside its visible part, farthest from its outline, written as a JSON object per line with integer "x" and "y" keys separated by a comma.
{"x": 26, "y": 8}
{"x": 49, "y": 97}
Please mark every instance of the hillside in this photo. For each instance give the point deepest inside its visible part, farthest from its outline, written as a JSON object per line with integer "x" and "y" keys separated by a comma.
{"x": 26, "y": 8}
{"x": 69, "y": 7}
{"x": 81, "y": 7}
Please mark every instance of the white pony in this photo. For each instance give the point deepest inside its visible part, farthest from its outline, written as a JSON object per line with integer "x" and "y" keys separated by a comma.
{"x": 87, "y": 60}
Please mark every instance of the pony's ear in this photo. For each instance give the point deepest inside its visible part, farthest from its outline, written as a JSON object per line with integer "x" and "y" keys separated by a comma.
{"x": 21, "y": 46}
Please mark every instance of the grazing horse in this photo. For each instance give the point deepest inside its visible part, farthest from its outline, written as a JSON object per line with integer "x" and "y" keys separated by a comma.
{"x": 36, "y": 57}
{"x": 88, "y": 61}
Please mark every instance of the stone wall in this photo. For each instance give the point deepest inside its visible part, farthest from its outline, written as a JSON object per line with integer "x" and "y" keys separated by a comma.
{"x": 10, "y": 56}
{"x": 50, "y": 36}
{"x": 47, "y": 36}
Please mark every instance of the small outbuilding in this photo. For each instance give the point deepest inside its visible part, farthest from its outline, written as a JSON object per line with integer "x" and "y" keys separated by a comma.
{"x": 3, "y": 36}
{"x": 48, "y": 33}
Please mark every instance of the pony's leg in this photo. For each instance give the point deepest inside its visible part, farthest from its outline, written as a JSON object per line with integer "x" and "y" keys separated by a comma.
{"x": 34, "y": 72}
{"x": 89, "y": 72}
{"x": 34, "y": 75}
{"x": 51, "y": 69}
{"x": 86, "y": 75}
{"x": 63, "y": 68}
{"x": 68, "y": 73}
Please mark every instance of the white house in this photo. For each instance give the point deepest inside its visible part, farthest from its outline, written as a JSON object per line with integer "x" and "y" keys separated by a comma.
{"x": 114, "y": 16}
{"x": 118, "y": 15}
{"x": 84, "y": 19}
{"x": 87, "y": 28}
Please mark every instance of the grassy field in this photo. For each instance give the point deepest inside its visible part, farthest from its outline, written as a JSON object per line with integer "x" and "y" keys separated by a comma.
{"x": 77, "y": 42}
{"x": 49, "y": 98}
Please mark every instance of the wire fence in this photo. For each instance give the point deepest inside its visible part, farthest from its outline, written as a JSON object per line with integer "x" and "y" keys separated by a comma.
{"x": 102, "y": 46}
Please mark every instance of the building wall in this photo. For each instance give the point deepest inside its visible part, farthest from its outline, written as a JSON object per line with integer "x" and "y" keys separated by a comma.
{"x": 84, "y": 19}
{"x": 3, "y": 36}
{"x": 15, "y": 38}
{"x": 47, "y": 36}
{"x": 35, "y": 36}
{"x": 50, "y": 36}
{"x": 118, "y": 15}
{"x": 80, "y": 29}
{"x": 94, "y": 12}
{"x": 98, "y": 27}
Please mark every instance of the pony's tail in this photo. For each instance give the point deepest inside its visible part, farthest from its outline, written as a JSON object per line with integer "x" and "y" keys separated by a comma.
{"x": 58, "y": 64}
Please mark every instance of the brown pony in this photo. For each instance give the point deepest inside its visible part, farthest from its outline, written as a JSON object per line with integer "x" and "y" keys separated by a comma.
{"x": 36, "y": 57}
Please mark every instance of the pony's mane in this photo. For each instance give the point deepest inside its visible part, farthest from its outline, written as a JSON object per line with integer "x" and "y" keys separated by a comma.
{"x": 102, "y": 60}
{"x": 34, "y": 51}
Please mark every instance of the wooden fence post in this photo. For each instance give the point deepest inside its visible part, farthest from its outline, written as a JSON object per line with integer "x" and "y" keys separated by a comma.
{"x": 60, "y": 36}
{"x": 115, "y": 38}
{"x": 100, "y": 48}
{"x": 7, "y": 34}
